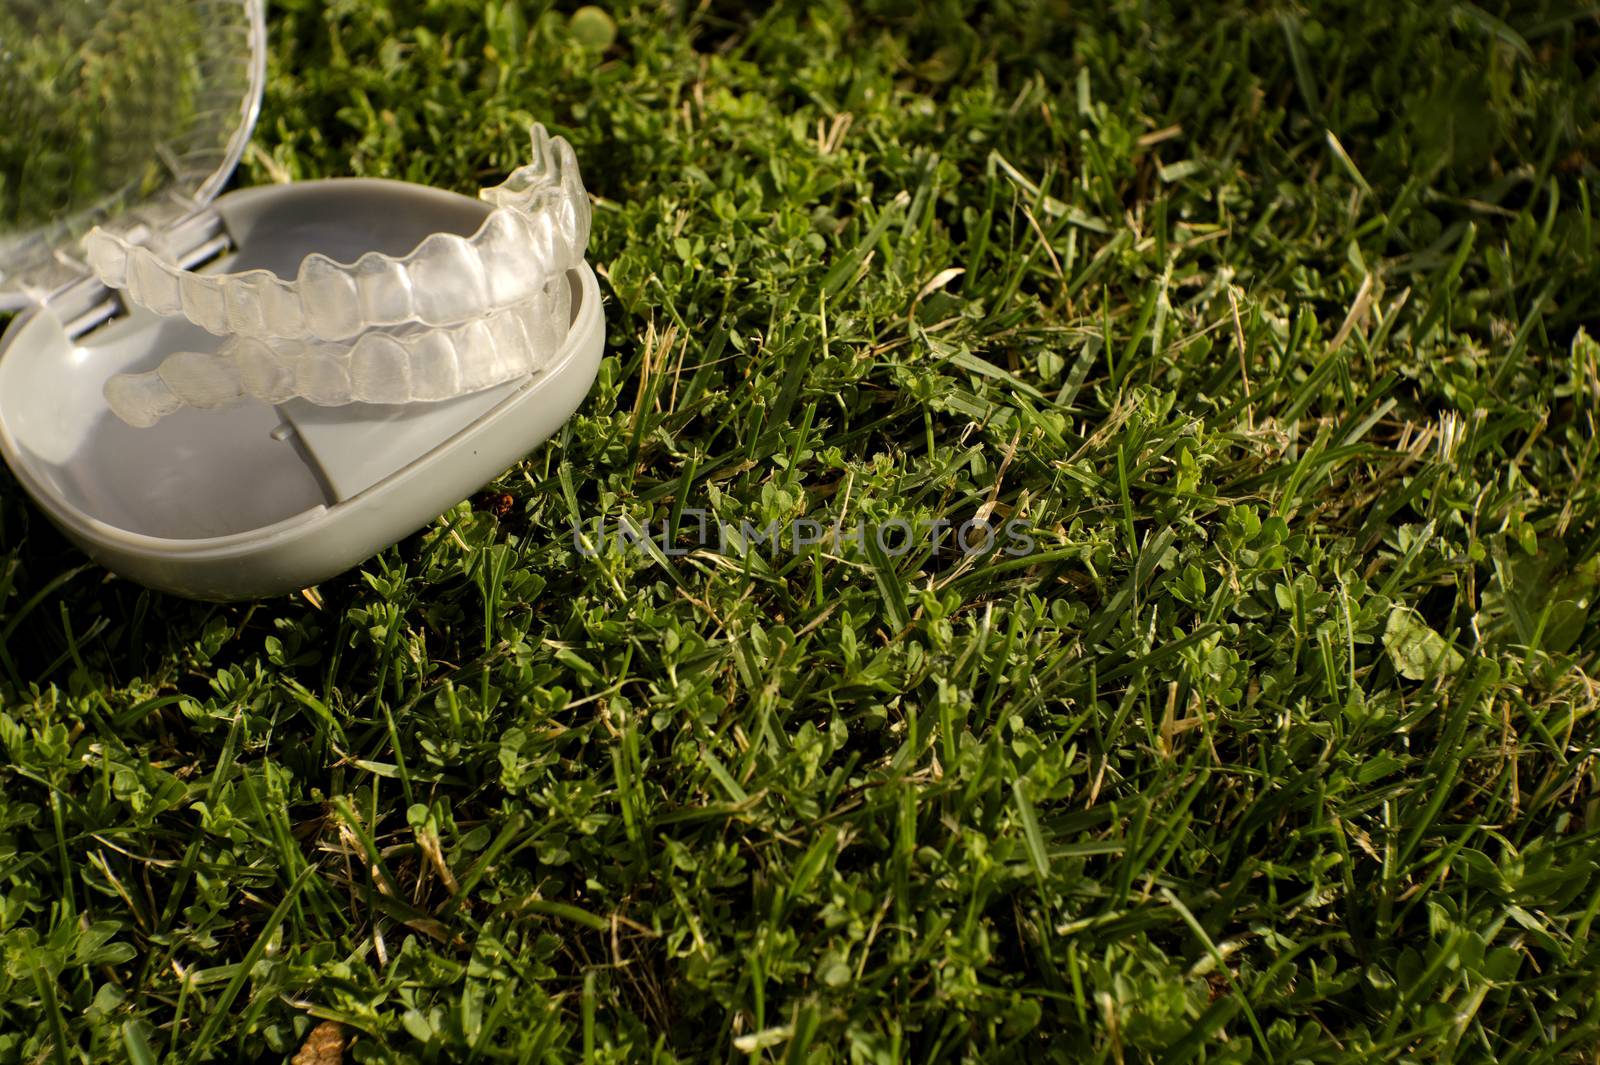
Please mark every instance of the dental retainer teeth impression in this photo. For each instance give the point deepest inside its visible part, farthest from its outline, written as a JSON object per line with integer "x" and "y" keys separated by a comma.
{"x": 454, "y": 316}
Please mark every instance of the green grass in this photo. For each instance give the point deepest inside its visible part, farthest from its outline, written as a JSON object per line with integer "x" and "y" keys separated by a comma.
{"x": 1277, "y": 329}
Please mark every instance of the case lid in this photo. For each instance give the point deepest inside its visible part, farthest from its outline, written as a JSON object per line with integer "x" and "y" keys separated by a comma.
{"x": 129, "y": 114}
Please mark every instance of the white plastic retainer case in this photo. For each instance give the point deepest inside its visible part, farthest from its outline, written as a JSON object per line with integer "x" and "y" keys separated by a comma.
{"x": 252, "y": 500}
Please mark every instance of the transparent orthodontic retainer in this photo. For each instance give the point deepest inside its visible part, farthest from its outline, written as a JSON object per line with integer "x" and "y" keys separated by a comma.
{"x": 284, "y": 445}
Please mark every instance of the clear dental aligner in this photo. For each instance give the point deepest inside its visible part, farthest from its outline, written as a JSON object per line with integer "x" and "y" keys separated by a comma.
{"x": 455, "y": 316}
{"x": 420, "y": 365}
{"x": 538, "y": 229}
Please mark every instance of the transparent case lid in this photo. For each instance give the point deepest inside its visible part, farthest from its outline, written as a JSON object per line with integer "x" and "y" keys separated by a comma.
{"x": 128, "y": 114}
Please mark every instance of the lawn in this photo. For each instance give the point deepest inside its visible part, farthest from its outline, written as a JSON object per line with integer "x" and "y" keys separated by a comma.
{"x": 1254, "y": 348}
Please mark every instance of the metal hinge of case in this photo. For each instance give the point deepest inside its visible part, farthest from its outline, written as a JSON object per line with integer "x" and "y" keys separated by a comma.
{"x": 192, "y": 241}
